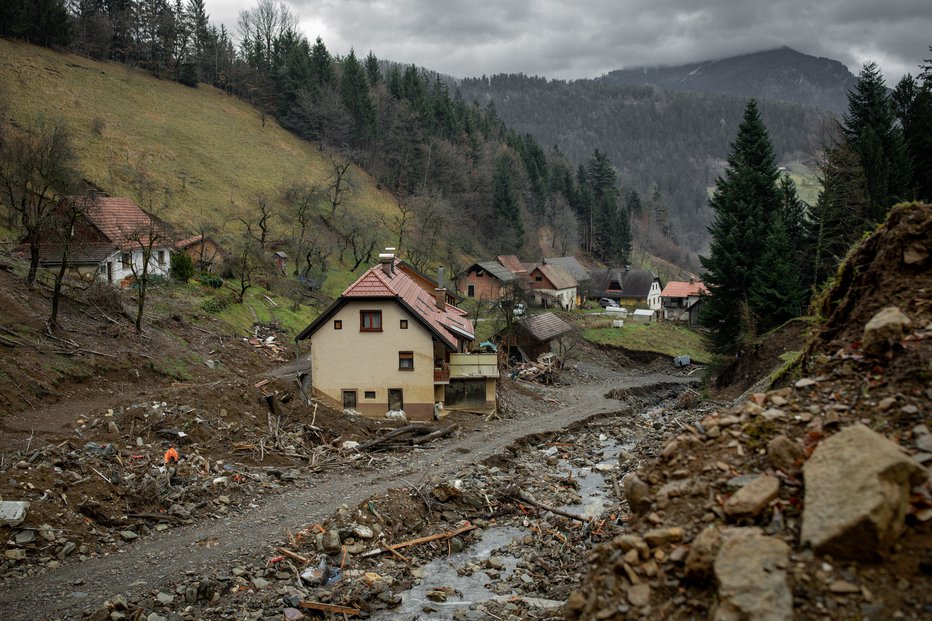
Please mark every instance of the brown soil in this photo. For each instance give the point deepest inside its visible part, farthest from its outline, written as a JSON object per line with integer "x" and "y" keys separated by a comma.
{"x": 889, "y": 392}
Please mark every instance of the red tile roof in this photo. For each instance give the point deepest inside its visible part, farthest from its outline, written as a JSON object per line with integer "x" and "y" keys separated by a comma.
{"x": 450, "y": 323}
{"x": 679, "y": 289}
{"x": 120, "y": 219}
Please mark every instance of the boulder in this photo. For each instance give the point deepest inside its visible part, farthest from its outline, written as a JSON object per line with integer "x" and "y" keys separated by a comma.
{"x": 750, "y": 570}
{"x": 885, "y": 327}
{"x": 637, "y": 493}
{"x": 702, "y": 553}
{"x": 331, "y": 541}
{"x": 752, "y": 499}
{"x": 857, "y": 493}
{"x": 785, "y": 454}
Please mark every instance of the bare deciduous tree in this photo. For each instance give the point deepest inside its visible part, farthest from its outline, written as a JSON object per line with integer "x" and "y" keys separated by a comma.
{"x": 35, "y": 170}
{"x": 70, "y": 214}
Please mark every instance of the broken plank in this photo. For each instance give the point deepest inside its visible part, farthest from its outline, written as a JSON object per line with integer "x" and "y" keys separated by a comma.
{"x": 308, "y": 605}
{"x": 294, "y": 555}
{"x": 525, "y": 497}
{"x": 434, "y": 435}
{"x": 413, "y": 542}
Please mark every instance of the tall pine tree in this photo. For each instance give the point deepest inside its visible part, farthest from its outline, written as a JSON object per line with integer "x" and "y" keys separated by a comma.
{"x": 870, "y": 128}
{"x": 746, "y": 202}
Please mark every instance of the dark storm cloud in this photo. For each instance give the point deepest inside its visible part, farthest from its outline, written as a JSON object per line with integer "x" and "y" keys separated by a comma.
{"x": 565, "y": 39}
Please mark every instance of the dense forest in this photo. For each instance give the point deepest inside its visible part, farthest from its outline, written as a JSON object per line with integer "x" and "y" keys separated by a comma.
{"x": 669, "y": 147}
{"x": 467, "y": 184}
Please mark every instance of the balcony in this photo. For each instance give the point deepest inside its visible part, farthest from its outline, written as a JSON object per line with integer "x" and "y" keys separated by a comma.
{"x": 463, "y": 366}
{"x": 442, "y": 374}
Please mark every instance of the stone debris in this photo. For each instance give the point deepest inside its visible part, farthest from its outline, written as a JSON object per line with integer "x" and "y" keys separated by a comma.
{"x": 752, "y": 498}
{"x": 750, "y": 570}
{"x": 857, "y": 494}
{"x": 885, "y": 328}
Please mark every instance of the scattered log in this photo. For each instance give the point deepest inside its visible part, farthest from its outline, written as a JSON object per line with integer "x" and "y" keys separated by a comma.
{"x": 413, "y": 542}
{"x": 294, "y": 555}
{"x": 407, "y": 429}
{"x": 152, "y": 516}
{"x": 440, "y": 433}
{"x": 307, "y": 605}
{"x": 525, "y": 497}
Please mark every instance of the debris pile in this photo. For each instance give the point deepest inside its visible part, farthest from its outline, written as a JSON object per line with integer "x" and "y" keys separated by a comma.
{"x": 811, "y": 501}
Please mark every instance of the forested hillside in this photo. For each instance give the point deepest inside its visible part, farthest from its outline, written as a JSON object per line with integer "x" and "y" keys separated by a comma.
{"x": 667, "y": 146}
{"x": 782, "y": 74}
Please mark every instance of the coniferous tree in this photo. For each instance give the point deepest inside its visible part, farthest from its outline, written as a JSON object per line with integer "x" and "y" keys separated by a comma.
{"x": 322, "y": 72}
{"x": 913, "y": 103}
{"x": 505, "y": 203}
{"x": 777, "y": 285}
{"x": 373, "y": 71}
{"x": 870, "y": 128}
{"x": 355, "y": 95}
{"x": 746, "y": 202}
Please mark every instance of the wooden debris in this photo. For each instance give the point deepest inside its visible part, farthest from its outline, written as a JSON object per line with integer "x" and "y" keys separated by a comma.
{"x": 294, "y": 555}
{"x": 413, "y": 542}
{"x": 346, "y": 610}
{"x": 525, "y": 497}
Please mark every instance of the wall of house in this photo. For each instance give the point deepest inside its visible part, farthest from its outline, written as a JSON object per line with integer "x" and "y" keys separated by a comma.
{"x": 486, "y": 286}
{"x": 207, "y": 251}
{"x": 121, "y": 272}
{"x": 349, "y": 359}
{"x": 566, "y": 297}
{"x": 654, "y": 301}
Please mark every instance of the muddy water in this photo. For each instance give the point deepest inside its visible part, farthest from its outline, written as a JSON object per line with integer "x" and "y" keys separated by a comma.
{"x": 443, "y": 572}
{"x": 595, "y": 486}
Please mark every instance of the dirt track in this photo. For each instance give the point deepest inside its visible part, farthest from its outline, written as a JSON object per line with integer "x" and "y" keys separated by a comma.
{"x": 157, "y": 560}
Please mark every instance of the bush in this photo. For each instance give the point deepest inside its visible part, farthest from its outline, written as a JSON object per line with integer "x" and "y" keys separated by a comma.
{"x": 182, "y": 267}
{"x": 216, "y": 304}
{"x": 209, "y": 280}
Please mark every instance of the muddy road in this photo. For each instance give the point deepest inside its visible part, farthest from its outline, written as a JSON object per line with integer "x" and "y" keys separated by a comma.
{"x": 213, "y": 544}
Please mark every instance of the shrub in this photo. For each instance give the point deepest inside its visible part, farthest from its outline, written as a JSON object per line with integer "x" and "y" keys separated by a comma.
{"x": 215, "y": 304}
{"x": 182, "y": 267}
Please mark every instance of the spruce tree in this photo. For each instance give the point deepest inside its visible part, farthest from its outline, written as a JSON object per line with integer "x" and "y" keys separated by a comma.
{"x": 777, "y": 284}
{"x": 355, "y": 95}
{"x": 746, "y": 202}
{"x": 870, "y": 128}
{"x": 913, "y": 102}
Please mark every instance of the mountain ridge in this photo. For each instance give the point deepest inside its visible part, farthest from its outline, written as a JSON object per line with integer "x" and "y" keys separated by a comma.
{"x": 778, "y": 74}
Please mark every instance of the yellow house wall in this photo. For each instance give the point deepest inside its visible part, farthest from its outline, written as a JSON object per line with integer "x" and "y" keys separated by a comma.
{"x": 350, "y": 359}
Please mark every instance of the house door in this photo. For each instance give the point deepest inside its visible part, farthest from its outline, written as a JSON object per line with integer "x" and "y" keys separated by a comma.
{"x": 470, "y": 291}
{"x": 349, "y": 399}
{"x": 395, "y": 399}
{"x": 110, "y": 272}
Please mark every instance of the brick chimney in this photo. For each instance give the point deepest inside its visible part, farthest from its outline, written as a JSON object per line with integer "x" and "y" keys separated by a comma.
{"x": 440, "y": 293}
{"x": 387, "y": 260}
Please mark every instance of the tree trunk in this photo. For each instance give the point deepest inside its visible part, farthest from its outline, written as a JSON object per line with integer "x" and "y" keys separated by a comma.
{"x": 33, "y": 259}
{"x": 56, "y": 291}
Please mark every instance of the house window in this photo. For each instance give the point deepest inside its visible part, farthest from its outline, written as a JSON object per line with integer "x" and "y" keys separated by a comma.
{"x": 539, "y": 278}
{"x": 161, "y": 257}
{"x": 126, "y": 260}
{"x": 471, "y": 291}
{"x": 110, "y": 272}
{"x": 370, "y": 321}
{"x": 406, "y": 361}
{"x": 404, "y": 324}
{"x": 337, "y": 324}
{"x": 370, "y": 394}
{"x": 349, "y": 399}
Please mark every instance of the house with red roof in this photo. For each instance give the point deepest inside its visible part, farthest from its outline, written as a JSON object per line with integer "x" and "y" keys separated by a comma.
{"x": 552, "y": 285}
{"x": 386, "y": 345}
{"x": 109, "y": 242}
{"x": 681, "y": 300}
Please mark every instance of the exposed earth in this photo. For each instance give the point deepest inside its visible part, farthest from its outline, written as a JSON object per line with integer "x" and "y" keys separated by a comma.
{"x": 619, "y": 492}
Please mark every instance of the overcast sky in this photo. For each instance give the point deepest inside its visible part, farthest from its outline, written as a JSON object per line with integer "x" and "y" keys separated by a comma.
{"x": 573, "y": 39}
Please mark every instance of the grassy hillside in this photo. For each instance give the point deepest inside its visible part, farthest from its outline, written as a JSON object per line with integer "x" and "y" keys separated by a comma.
{"x": 212, "y": 151}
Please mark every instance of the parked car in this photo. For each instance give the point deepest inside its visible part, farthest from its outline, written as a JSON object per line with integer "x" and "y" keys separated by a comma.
{"x": 608, "y": 303}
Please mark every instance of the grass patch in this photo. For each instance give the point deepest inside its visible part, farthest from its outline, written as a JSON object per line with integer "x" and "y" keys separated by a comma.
{"x": 213, "y": 152}
{"x": 664, "y": 338}
{"x": 256, "y": 307}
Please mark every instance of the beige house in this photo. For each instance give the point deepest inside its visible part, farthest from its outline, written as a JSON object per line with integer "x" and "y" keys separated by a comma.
{"x": 387, "y": 345}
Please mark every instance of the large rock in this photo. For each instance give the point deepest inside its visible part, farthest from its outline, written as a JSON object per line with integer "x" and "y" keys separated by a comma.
{"x": 702, "y": 553}
{"x": 785, "y": 454}
{"x": 637, "y": 493}
{"x": 857, "y": 493}
{"x": 750, "y": 570}
{"x": 753, "y": 498}
{"x": 885, "y": 327}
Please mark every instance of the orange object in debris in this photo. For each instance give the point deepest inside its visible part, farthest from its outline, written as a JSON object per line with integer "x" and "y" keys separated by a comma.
{"x": 172, "y": 455}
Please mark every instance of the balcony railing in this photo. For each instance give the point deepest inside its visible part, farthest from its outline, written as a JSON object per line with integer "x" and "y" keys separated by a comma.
{"x": 442, "y": 374}
{"x": 473, "y": 365}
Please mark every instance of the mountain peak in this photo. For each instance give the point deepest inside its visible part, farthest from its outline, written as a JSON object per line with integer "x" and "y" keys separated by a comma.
{"x": 778, "y": 74}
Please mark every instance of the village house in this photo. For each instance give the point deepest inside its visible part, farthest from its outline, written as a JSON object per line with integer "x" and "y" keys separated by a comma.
{"x": 551, "y": 285}
{"x": 387, "y": 345}
{"x": 634, "y": 288}
{"x": 681, "y": 300}
{"x": 577, "y": 271}
{"x": 531, "y": 337}
{"x": 108, "y": 244}
{"x": 487, "y": 280}
{"x": 206, "y": 254}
